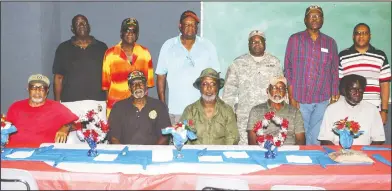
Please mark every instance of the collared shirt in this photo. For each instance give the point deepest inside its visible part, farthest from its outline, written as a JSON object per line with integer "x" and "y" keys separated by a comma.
{"x": 183, "y": 67}
{"x": 311, "y": 67}
{"x": 131, "y": 126}
{"x": 220, "y": 129}
{"x": 292, "y": 114}
{"x": 81, "y": 70}
{"x": 246, "y": 83}
{"x": 117, "y": 66}
{"x": 364, "y": 113}
{"x": 373, "y": 65}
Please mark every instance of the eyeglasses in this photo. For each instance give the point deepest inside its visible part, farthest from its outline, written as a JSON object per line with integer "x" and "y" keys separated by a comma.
{"x": 355, "y": 90}
{"x": 255, "y": 42}
{"x": 280, "y": 89}
{"x": 211, "y": 84}
{"x": 361, "y": 33}
{"x": 187, "y": 25}
{"x": 38, "y": 88}
{"x": 189, "y": 60}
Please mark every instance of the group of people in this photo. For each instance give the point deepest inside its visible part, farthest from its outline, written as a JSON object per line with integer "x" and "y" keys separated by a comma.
{"x": 316, "y": 88}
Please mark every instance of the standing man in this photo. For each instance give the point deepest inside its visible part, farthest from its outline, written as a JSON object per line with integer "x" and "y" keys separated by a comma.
{"x": 365, "y": 60}
{"x": 181, "y": 60}
{"x": 139, "y": 119}
{"x": 77, "y": 72}
{"x": 311, "y": 68}
{"x": 122, "y": 59}
{"x": 248, "y": 78}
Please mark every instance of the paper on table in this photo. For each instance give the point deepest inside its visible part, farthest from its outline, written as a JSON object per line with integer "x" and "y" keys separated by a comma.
{"x": 210, "y": 159}
{"x": 20, "y": 154}
{"x": 162, "y": 155}
{"x": 298, "y": 159}
{"x": 106, "y": 157}
{"x": 240, "y": 155}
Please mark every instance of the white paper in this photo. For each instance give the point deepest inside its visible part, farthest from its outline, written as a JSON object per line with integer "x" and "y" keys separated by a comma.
{"x": 295, "y": 187}
{"x": 222, "y": 183}
{"x": 20, "y": 154}
{"x": 210, "y": 159}
{"x": 162, "y": 155}
{"x": 298, "y": 159}
{"x": 239, "y": 155}
{"x": 106, "y": 157}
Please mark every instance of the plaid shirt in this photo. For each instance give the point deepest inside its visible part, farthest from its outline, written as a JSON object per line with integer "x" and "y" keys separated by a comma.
{"x": 312, "y": 67}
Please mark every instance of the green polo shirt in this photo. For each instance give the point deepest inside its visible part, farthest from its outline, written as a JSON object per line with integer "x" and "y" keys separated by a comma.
{"x": 220, "y": 129}
{"x": 292, "y": 114}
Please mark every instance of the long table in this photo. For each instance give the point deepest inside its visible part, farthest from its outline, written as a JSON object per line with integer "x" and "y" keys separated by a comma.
{"x": 179, "y": 176}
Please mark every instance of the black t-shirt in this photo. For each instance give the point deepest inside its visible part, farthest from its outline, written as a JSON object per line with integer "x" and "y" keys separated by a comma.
{"x": 81, "y": 70}
{"x": 131, "y": 126}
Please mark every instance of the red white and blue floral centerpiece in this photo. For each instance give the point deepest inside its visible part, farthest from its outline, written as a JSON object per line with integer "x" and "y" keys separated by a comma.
{"x": 181, "y": 132}
{"x": 92, "y": 129}
{"x": 347, "y": 131}
{"x": 6, "y": 129}
{"x": 268, "y": 141}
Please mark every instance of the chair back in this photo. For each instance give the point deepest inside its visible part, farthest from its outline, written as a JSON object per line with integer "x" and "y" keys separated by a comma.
{"x": 16, "y": 179}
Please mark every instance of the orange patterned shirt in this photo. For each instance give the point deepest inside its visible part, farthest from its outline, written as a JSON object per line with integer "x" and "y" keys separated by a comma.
{"x": 117, "y": 66}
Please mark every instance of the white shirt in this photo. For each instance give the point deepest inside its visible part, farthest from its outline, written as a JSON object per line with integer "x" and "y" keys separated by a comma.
{"x": 365, "y": 113}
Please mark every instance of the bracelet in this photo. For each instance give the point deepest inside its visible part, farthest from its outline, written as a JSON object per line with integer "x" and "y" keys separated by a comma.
{"x": 385, "y": 110}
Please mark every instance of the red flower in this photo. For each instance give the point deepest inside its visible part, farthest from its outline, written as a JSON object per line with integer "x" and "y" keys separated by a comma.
{"x": 95, "y": 135}
{"x": 269, "y": 137}
{"x": 278, "y": 143}
{"x": 104, "y": 126}
{"x": 260, "y": 139}
{"x": 190, "y": 122}
{"x": 285, "y": 123}
{"x": 284, "y": 135}
{"x": 90, "y": 114}
{"x": 2, "y": 124}
{"x": 257, "y": 126}
{"x": 355, "y": 127}
{"x": 87, "y": 133}
{"x": 269, "y": 115}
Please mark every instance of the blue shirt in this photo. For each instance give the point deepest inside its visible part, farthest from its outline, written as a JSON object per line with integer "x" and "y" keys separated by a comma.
{"x": 183, "y": 67}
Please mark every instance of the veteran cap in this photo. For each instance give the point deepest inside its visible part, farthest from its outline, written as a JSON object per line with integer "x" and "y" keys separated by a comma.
{"x": 256, "y": 33}
{"x": 275, "y": 79}
{"x": 128, "y": 22}
{"x": 313, "y": 7}
{"x": 136, "y": 75}
{"x": 39, "y": 78}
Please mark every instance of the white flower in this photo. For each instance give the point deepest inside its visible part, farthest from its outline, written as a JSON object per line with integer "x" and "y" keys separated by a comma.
{"x": 277, "y": 120}
{"x": 260, "y": 132}
{"x": 265, "y": 123}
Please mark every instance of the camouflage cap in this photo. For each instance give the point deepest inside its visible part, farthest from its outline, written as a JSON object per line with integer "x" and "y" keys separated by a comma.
{"x": 209, "y": 72}
{"x": 136, "y": 75}
{"x": 39, "y": 78}
{"x": 275, "y": 79}
{"x": 128, "y": 22}
{"x": 256, "y": 33}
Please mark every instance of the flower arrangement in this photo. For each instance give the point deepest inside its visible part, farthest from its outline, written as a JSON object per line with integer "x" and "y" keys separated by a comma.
{"x": 260, "y": 126}
{"x": 181, "y": 132}
{"x": 351, "y": 126}
{"x": 6, "y": 129}
{"x": 94, "y": 127}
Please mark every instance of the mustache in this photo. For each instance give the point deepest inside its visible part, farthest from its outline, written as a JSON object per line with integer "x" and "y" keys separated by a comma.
{"x": 208, "y": 98}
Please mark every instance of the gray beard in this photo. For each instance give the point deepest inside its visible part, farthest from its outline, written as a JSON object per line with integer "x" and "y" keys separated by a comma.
{"x": 275, "y": 100}
{"x": 208, "y": 98}
{"x": 139, "y": 93}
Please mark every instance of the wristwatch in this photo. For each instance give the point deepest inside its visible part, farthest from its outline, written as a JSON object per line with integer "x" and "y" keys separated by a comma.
{"x": 385, "y": 110}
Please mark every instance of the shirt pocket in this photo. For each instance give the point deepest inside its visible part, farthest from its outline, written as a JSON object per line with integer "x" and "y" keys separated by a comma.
{"x": 218, "y": 130}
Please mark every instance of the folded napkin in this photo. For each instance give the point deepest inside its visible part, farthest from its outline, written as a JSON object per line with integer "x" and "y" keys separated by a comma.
{"x": 381, "y": 159}
{"x": 373, "y": 148}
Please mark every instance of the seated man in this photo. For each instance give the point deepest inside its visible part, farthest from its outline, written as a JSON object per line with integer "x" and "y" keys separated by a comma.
{"x": 277, "y": 92}
{"x": 39, "y": 120}
{"x": 214, "y": 120}
{"x": 138, "y": 119}
{"x": 351, "y": 106}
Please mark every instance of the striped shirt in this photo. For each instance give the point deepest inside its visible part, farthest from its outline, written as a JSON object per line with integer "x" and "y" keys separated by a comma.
{"x": 373, "y": 65}
{"x": 312, "y": 67}
{"x": 117, "y": 66}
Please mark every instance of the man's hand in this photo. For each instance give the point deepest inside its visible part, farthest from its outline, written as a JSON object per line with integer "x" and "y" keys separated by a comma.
{"x": 294, "y": 103}
{"x": 384, "y": 117}
{"x": 61, "y": 135}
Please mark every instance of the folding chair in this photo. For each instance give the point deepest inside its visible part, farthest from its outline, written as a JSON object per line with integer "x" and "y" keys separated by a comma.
{"x": 15, "y": 179}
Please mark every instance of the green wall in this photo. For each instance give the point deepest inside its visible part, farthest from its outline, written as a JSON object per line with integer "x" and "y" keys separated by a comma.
{"x": 227, "y": 24}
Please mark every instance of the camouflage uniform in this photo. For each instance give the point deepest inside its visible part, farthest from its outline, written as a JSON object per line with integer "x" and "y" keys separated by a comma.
{"x": 246, "y": 84}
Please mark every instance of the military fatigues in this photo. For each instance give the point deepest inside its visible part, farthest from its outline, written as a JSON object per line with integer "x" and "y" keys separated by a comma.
{"x": 246, "y": 84}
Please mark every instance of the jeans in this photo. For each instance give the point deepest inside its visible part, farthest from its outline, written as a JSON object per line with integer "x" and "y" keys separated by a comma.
{"x": 312, "y": 115}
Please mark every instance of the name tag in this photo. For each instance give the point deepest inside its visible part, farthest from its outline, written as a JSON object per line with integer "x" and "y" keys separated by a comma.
{"x": 324, "y": 50}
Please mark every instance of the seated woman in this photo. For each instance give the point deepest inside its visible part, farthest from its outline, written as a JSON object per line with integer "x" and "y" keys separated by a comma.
{"x": 214, "y": 120}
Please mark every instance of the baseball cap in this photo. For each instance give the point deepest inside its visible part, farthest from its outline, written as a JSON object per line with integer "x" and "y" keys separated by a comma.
{"x": 136, "y": 75}
{"x": 275, "y": 79}
{"x": 189, "y": 13}
{"x": 314, "y": 7}
{"x": 128, "y": 22}
{"x": 39, "y": 78}
{"x": 256, "y": 33}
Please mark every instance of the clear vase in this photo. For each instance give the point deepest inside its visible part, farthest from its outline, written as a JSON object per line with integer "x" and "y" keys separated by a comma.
{"x": 93, "y": 147}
